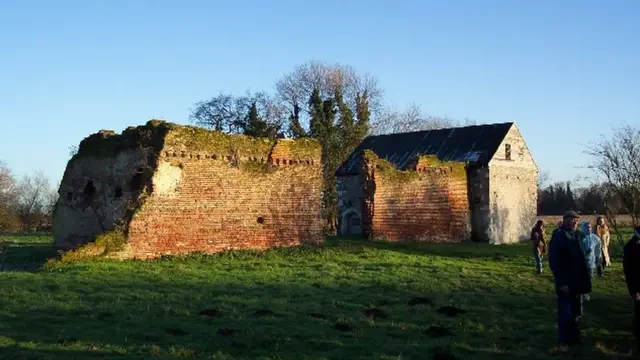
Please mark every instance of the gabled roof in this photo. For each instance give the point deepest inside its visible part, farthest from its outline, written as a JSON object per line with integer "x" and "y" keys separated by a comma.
{"x": 472, "y": 144}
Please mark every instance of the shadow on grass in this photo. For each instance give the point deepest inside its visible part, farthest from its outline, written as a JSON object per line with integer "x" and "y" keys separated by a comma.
{"x": 190, "y": 308}
{"x": 469, "y": 250}
{"x": 25, "y": 252}
{"x": 88, "y": 313}
{"x": 18, "y": 352}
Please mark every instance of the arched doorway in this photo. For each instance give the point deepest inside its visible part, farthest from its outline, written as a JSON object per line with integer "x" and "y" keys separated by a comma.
{"x": 351, "y": 223}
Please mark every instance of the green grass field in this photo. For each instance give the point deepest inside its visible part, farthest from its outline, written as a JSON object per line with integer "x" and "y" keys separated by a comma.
{"x": 346, "y": 300}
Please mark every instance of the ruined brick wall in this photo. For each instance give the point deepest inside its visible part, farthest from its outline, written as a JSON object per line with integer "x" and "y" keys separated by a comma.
{"x": 513, "y": 190}
{"x": 429, "y": 203}
{"x": 198, "y": 191}
{"x": 213, "y": 206}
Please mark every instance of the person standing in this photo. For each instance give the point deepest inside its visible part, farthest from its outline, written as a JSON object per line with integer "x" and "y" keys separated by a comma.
{"x": 602, "y": 230}
{"x": 631, "y": 268}
{"x": 590, "y": 244}
{"x": 571, "y": 277}
{"x": 539, "y": 244}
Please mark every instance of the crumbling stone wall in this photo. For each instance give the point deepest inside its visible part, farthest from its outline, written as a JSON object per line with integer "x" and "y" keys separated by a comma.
{"x": 93, "y": 195}
{"x": 182, "y": 189}
{"x": 426, "y": 203}
{"x": 513, "y": 187}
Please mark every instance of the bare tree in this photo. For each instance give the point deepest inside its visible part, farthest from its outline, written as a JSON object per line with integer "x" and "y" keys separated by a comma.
{"x": 228, "y": 113}
{"x": 220, "y": 113}
{"x": 8, "y": 220}
{"x": 616, "y": 161}
{"x": 7, "y": 184}
{"x": 543, "y": 178}
{"x": 34, "y": 200}
{"x": 411, "y": 119}
{"x": 295, "y": 88}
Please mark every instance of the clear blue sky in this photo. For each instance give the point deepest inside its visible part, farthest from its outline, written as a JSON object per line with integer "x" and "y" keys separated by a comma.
{"x": 565, "y": 71}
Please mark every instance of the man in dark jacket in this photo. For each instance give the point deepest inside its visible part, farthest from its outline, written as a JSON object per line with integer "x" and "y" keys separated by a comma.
{"x": 631, "y": 266}
{"x": 571, "y": 275}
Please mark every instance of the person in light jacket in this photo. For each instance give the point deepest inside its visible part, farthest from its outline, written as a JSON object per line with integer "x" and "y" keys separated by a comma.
{"x": 602, "y": 230}
{"x": 590, "y": 244}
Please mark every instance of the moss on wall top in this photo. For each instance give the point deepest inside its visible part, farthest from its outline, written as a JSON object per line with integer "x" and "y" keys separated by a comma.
{"x": 305, "y": 148}
{"x": 159, "y": 134}
{"x": 388, "y": 169}
{"x": 456, "y": 169}
{"x": 197, "y": 139}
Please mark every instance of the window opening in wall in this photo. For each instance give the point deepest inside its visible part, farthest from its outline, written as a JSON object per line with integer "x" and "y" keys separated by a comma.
{"x": 136, "y": 180}
{"x": 118, "y": 192}
{"x": 260, "y": 220}
{"x": 507, "y": 151}
{"x": 89, "y": 190}
{"x": 69, "y": 196}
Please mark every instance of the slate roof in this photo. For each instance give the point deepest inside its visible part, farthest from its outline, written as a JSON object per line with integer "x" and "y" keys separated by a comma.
{"x": 472, "y": 144}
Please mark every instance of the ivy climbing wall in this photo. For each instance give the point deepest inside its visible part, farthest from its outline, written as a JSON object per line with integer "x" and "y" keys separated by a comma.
{"x": 426, "y": 203}
{"x": 197, "y": 191}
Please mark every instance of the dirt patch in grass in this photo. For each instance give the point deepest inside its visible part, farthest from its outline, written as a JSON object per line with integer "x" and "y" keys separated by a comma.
{"x": 263, "y": 312}
{"x": 374, "y": 313}
{"x": 226, "y": 331}
{"x": 175, "y": 332}
{"x": 210, "y": 312}
{"x": 340, "y": 326}
{"x": 438, "y": 331}
{"x": 67, "y": 341}
{"x": 317, "y": 315}
{"x": 451, "y": 311}
{"x": 420, "y": 300}
{"x": 443, "y": 355}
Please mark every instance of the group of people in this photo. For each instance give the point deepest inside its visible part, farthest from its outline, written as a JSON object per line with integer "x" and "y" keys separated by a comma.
{"x": 576, "y": 252}
{"x": 594, "y": 244}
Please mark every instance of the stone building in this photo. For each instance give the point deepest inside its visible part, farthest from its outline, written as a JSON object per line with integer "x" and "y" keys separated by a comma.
{"x": 474, "y": 182}
{"x": 163, "y": 188}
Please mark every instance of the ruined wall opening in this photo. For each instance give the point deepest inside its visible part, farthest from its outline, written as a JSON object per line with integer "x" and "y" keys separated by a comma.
{"x": 136, "y": 180}
{"x": 89, "y": 190}
{"x": 118, "y": 192}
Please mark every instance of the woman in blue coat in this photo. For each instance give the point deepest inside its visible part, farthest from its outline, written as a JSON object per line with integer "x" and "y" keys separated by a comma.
{"x": 591, "y": 248}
